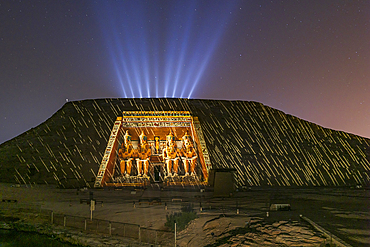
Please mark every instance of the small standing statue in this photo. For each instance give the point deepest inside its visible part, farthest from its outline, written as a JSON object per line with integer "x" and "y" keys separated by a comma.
{"x": 156, "y": 144}
{"x": 170, "y": 155}
{"x": 189, "y": 156}
{"x": 144, "y": 152}
{"x": 126, "y": 154}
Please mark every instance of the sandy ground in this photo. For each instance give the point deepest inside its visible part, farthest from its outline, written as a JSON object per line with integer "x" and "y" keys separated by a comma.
{"x": 343, "y": 212}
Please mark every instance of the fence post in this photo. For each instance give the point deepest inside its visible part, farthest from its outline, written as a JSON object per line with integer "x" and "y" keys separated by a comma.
{"x": 85, "y": 225}
{"x": 175, "y": 233}
{"x": 64, "y": 221}
{"x": 110, "y": 228}
{"x": 52, "y": 217}
{"x": 139, "y": 235}
{"x": 124, "y": 230}
{"x": 155, "y": 237}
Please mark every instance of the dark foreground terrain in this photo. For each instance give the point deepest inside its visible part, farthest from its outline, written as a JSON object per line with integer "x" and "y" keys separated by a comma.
{"x": 344, "y": 212}
{"x": 341, "y": 211}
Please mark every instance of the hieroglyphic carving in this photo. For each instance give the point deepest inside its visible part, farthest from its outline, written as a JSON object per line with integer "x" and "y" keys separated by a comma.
{"x": 107, "y": 154}
{"x": 202, "y": 143}
{"x": 156, "y": 119}
{"x": 162, "y": 123}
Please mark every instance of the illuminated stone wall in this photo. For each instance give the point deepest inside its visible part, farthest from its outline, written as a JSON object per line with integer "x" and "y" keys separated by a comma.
{"x": 155, "y": 124}
{"x": 264, "y": 145}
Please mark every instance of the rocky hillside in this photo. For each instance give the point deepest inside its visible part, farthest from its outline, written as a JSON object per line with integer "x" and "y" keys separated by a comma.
{"x": 266, "y": 146}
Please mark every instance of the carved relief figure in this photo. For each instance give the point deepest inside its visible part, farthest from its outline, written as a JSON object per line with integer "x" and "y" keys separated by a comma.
{"x": 144, "y": 152}
{"x": 170, "y": 155}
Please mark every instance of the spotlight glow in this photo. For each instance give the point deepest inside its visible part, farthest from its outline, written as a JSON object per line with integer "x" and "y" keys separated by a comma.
{"x": 162, "y": 48}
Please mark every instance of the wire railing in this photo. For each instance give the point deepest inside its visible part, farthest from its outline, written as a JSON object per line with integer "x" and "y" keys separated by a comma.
{"x": 99, "y": 226}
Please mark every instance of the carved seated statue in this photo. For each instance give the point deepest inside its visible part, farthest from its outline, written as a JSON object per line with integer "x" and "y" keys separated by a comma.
{"x": 126, "y": 155}
{"x": 170, "y": 155}
{"x": 185, "y": 137}
{"x": 144, "y": 152}
{"x": 189, "y": 156}
{"x": 127, "y": 137}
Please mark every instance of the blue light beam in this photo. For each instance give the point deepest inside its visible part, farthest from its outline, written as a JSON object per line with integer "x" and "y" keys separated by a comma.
{"x": 162, "y": 48}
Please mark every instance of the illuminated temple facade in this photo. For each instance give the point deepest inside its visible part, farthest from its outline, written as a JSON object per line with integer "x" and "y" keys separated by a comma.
{"x": 154, "y": 146}
{"x": 81, "y": 145}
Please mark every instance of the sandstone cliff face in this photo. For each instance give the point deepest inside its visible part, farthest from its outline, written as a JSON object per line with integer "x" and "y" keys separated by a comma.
{"x": 264, "y": 145}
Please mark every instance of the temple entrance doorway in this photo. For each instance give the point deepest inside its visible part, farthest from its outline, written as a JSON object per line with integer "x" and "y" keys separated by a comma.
{"x": 157, "y": 173}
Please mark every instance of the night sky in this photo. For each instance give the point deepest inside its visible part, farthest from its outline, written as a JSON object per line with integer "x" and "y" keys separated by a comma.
{"x": 307, "y": 58}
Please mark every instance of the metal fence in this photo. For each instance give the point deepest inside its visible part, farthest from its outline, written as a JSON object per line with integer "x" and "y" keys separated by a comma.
{"x": 108, "y": 228}
{"x": 112, "y": 228}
